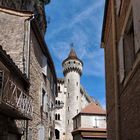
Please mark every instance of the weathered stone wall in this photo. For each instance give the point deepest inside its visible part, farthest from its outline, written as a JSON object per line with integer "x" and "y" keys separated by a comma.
{"x": 12, "y": 37}
{"x": 36, "y": 6}
{"x": 37, "y": 81}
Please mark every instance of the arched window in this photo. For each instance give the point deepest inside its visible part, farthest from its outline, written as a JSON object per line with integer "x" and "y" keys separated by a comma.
{"x": 77, "y": 83}
{"x": 55, "y": 116}
{"x": 58, "y": 102}
{"x": 58, "y": 116}
{"x": 41, "y": 132}
{"x": 58, "y": 88}
{"x": 57, "y": 134}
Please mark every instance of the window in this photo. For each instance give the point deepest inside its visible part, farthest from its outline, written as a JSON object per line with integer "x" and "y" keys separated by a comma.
{"x": 57, "y": 134}
{"x": 44, "y": 101}
{"x": 56, "y": 102}
{"x": 57, "y": 116}
{"x": 77, "y": 98}
{"x": 126, "y": 49}
{"x": 51, "y": 82}
{"x": 68, "y": 80}
{"x": 77, "y": 83}
{"x": 95, "y": 122}
{"x": 68, "y": 95}
{"x": 68, "y": 108}
{"x": 59, "y": 103}
{"x": 77, "y": 110}
{"x": 41, "y": 132}
{"x": 68, "y": 121}
{"x": 129, "y": 47}
{"x": 44, "y": 65}
{"x": 58, "y": 88}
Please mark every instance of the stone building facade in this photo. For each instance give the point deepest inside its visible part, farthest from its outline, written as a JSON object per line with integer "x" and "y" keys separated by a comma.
{"x": 15, "y": 102}
{"x": 23, "y": 40}
{"x": 72, "y": 97}
{"x": 90, "y": 123}
{"x": 121, "y": 43}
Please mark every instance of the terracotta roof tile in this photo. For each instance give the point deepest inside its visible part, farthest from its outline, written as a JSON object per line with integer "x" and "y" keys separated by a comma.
{"x": 93, "y": 108}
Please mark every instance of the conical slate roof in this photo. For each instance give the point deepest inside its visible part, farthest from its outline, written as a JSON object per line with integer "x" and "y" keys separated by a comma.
{"x": 72, "y": 55}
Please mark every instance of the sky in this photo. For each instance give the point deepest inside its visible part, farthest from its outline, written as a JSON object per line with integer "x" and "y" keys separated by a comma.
{"x": 78, "y": 22}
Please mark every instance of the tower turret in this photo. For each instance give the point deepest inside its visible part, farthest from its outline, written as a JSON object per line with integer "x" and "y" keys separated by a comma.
{"x": 72, "y": 70}
{"x": 72, "y": 63}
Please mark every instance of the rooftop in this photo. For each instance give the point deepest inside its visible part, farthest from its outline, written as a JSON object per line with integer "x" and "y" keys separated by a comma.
{"x": 72, "y": 55}
{"x": 93, "y": 108}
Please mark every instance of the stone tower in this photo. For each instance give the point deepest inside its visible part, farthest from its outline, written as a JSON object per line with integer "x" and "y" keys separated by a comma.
{"x": 72, "y": 70}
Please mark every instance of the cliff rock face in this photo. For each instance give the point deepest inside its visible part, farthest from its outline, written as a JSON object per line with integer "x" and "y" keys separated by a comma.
{"x": 36, "y": 6}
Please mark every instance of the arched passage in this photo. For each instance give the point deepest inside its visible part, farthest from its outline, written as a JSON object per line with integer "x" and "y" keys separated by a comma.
{"x": 57, "y": 134}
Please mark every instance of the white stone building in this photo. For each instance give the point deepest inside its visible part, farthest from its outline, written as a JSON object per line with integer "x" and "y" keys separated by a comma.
{"x": 72, "y": 97}
{"x": 90, "y": 123}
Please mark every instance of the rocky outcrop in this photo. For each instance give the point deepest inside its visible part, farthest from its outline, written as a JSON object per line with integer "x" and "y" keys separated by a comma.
{"x": 36, "y": 6}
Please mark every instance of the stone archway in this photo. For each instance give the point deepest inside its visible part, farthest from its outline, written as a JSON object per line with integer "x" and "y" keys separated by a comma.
{"x": 57, "y": 134}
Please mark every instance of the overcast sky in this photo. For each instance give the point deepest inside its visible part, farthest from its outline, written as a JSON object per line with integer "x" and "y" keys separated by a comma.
{"x": 78, "y": 22}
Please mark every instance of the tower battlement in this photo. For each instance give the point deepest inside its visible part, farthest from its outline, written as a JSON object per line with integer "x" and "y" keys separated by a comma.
{"x": 72, "y": 63}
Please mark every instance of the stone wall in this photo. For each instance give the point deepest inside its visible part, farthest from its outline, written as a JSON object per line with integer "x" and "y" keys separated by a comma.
{"x": 36, "y": 6}
{"x": 127, "y": 89}
{"x": 12, "y": 37}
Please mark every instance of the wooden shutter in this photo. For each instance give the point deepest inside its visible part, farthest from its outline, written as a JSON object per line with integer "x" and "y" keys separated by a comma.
{"x": 121, "y": 59}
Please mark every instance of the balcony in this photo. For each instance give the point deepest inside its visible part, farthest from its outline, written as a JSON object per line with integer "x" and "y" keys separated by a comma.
{"x": 59, "y": 104}
{"x": 15, "y": 102}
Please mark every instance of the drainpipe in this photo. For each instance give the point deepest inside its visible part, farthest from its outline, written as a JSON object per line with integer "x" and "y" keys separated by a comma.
{"x": 28, "y": 45}
{"x": 28, "y": 62}
{"x": 115, "y": 55}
